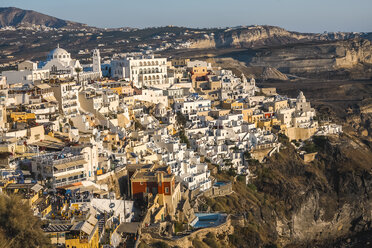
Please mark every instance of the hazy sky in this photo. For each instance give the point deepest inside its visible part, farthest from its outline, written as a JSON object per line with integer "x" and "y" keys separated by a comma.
{"x": 295, "y": 15}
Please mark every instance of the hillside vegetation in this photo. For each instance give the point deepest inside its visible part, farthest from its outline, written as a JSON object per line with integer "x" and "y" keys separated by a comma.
{"x": 18, "y": 227}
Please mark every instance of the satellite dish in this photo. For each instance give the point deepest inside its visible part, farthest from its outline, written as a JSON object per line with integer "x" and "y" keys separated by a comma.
{"x": 85, "y": 194}
{"x": 112, "y": 205}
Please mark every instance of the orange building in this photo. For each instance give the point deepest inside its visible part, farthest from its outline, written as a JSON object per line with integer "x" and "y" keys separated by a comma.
{"x": 160, "y": 183}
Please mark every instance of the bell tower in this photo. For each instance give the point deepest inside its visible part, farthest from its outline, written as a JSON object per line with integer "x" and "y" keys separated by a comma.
{"x": 97, "y": 62}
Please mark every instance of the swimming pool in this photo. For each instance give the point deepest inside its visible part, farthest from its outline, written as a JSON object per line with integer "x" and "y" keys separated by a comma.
{"x": 203, "y": 220}
{"x": 219, "y": 183}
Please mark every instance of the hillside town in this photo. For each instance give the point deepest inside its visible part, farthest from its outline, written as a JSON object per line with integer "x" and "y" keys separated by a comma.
{"x": 118, "y": 151}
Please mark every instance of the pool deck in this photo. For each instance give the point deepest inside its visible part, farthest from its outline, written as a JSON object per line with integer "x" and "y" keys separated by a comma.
{"x": 204, "y": 220}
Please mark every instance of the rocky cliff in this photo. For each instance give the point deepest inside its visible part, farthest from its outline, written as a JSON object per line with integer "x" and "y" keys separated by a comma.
{"x": 310, "y": 58}
{"x": 332, "y": 198}
{"x": 292, "y": 204}
{"x": 259, "y": 36}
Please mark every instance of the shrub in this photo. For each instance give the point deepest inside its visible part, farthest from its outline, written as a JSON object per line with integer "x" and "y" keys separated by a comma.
{"x": 18, "y": 226}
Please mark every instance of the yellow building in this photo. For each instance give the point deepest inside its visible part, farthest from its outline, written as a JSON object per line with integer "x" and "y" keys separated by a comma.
{"x": 180, "y": 62}
{"x": 232, "y": 104}
{"x": 32, "y": 194}
{"x": 255, "y": 118}
{"x": 83, "y": 234}
{"x": 267, "y": 124}
{"x": 129, "y": 100}
{"x": 247, "y": 113}
{"x": 22, "y": 116}
{"x": 219, "y": 112}
{"x": 264, "y": 124}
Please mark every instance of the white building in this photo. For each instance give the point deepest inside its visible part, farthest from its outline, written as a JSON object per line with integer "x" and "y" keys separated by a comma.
{"x": 153, "y": 95}
{"x": 27, "y": 73}
{"x": 192, "y": 105}
{"x": 59, "y": 61}
{"x": 71, "y": 165}
{"x": 142, "y": 71}
{"x": 66, "y": 94}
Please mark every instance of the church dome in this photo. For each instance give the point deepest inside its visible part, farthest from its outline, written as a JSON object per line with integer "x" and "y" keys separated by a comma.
{"x": 59, "y": 53}
{"x": 160, "y": 109}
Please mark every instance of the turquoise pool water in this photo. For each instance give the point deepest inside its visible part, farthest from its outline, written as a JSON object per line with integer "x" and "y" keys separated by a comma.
{"x": 204, "y": 220}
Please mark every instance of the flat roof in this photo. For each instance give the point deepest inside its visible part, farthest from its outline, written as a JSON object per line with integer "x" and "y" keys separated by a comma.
{"x": 43, "y": 86}
{"x": 131, "y": 227}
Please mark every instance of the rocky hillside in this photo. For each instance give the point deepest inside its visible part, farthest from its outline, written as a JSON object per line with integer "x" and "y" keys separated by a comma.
{"x": 346, "y": 56}
{"x": 259, "y": 36}
{"x": 15, "y": 17}
{"x": 292, "y": 204}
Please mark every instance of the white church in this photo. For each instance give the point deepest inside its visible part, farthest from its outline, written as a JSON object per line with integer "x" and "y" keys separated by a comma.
{"x": 60, "y": 64}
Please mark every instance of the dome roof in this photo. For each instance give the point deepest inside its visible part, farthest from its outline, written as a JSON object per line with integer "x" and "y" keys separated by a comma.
{"x": 58, "y": 53}
{"x": 160, "y": 106}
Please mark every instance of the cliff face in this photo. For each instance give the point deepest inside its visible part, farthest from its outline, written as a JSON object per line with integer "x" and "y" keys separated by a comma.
{"x": 342, "y": 55}
{"x": 325, "y": 200}
{"x": 258, "y": 36}
{"x": 310, "y": 58}
{"x": 292, "y": 204}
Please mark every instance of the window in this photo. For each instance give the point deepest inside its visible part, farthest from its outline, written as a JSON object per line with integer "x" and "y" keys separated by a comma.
{"x": 166, "y": 190}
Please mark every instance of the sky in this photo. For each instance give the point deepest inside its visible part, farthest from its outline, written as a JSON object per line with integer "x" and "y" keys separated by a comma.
{"x": 295, "y": 15}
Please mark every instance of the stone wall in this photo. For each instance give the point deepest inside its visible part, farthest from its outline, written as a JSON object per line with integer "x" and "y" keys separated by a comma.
{"x": 296, "y": 133}
{"x": 220, "y": 190}
{"x": 186, "y": 241}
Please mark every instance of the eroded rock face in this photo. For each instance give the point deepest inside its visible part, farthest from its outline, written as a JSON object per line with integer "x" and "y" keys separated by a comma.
{"x": 314, "y": 222}
{"x": 258, "y": 36}
{"x": 326, "y": 200}
{"x": 312, "y": 58}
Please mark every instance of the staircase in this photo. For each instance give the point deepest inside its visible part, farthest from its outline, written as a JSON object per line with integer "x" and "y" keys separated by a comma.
{"x": 101, "y": 224}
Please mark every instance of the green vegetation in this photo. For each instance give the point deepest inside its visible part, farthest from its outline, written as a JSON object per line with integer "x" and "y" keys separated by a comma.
{"x": 184, "y": 138}
{"x": 181, "y": 119}
{"x": 318, "y": 143}
{"x": 179, "y": 227}
{"x": 160, "y": 244}
{"x": 138, "y": 125}
{"x": 211, "y": 241}
{"x": 18, "y": 226}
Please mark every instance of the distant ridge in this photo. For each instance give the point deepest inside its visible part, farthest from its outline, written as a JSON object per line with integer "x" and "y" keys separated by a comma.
{"x": 15, "y": 17}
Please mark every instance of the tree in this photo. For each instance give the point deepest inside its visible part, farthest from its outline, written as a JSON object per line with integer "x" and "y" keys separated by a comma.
{"x": 18, "y": 226}
{"x": 78, "y": 70}
{"x": 181, "y": 119}
{"x": 247, "y": 155}
{"x": 183, "y": 138}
